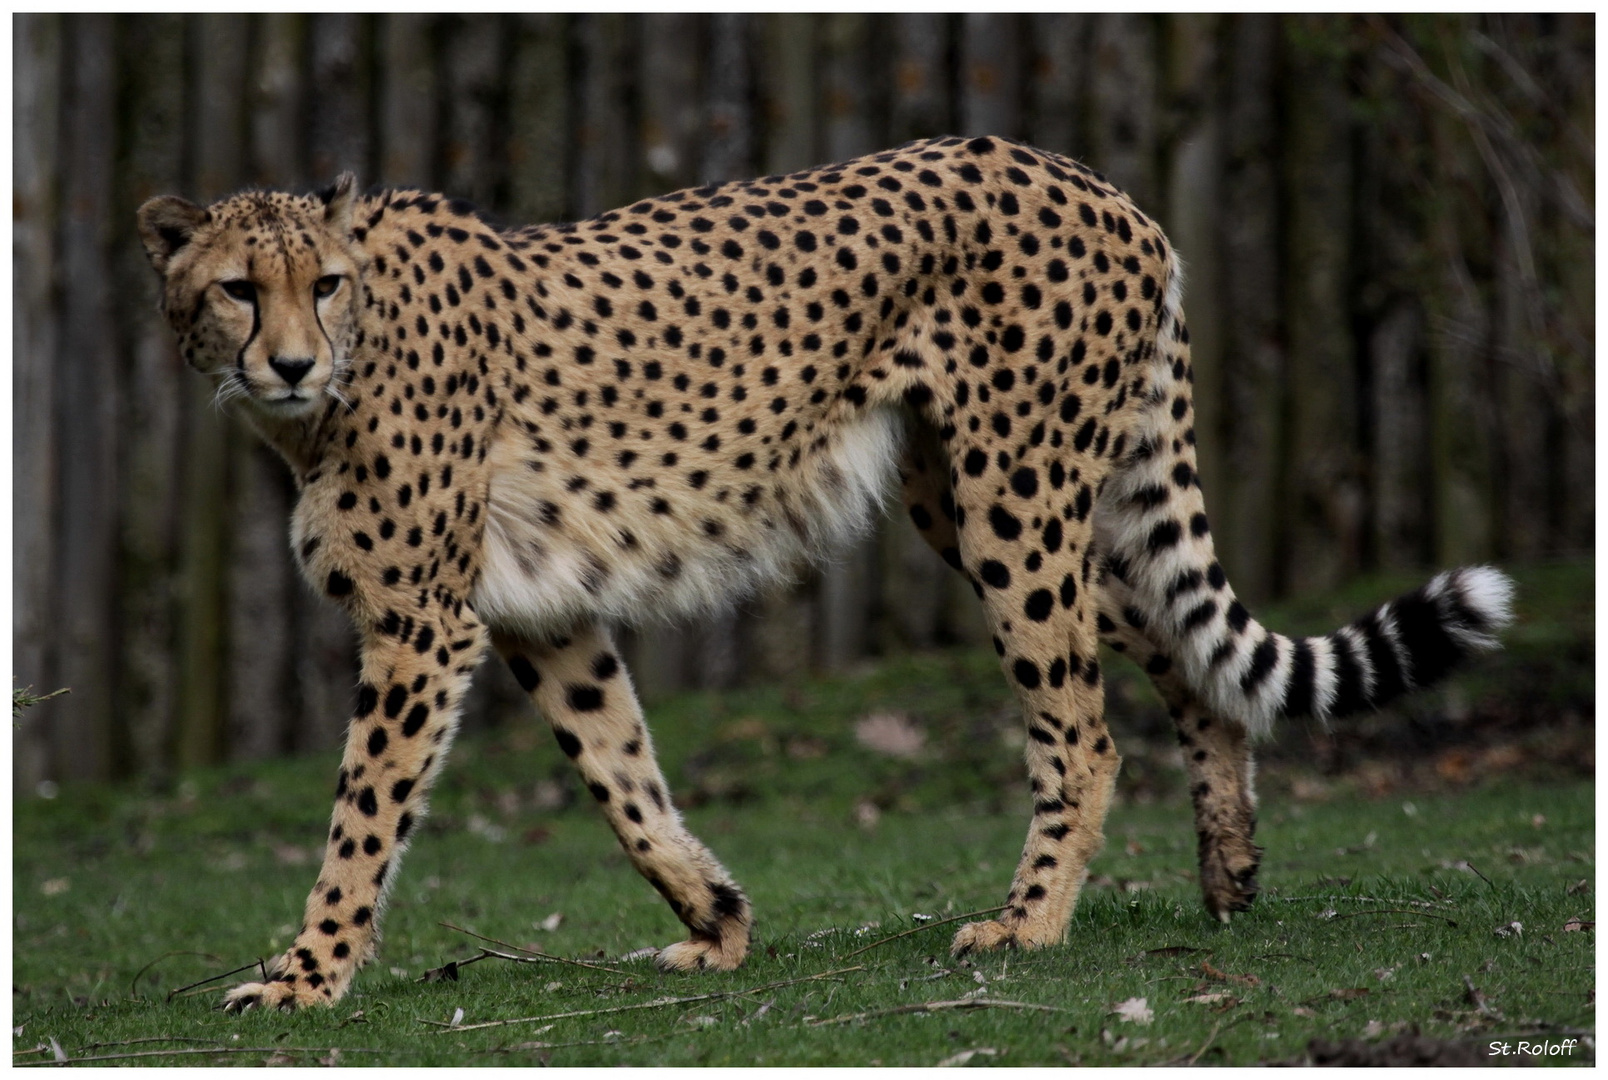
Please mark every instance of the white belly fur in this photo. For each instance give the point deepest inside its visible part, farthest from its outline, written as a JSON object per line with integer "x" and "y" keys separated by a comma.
{"x": 541, "y": 579}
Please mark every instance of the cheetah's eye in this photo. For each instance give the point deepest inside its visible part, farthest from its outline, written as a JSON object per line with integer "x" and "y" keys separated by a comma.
{"x": 326, "y": 286}
{"x": 243, "y": 291}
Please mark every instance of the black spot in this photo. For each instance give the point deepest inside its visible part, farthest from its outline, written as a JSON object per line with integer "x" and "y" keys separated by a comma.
{"x": 567, "y": 742}
{"x": 377, "y": 742}
{"x": 416, "y": 718}
{"x": 585, "y": 698}
{"x": 1006, "y": 525}
{"x": 994, "y": 573}
{"x": 1166, "y": 534}
{"x": 1027, "y": 673}
{"x": 729, "y": 902}
{"x": 367, "y": 803}
{"x": 338, "y": 584}
{"x": 525, "y": 672}
{"x": 1039, "y": 605}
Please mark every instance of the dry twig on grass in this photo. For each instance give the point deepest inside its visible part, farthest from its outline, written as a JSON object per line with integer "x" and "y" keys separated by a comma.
{"x": 287, "y": 1050}
{"x": 919, "y": 929}
{"x": 536, "y": 952}
{"x": 937, "y": 1006}
{"x": 257, "y": 963}
{"x": 660, "y": 1003}
{"x": 1397, "y": 911}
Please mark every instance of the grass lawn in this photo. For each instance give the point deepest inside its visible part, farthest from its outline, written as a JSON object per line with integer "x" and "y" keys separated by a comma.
{"x": 1385, "y": 909}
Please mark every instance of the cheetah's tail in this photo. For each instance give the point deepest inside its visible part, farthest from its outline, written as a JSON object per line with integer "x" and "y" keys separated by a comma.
{"x": 1151, "y": 522}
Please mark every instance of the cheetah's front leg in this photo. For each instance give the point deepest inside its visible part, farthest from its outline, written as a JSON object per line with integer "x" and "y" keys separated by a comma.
{"x": 579, "y": 684}
{"x": 415, "y": 672}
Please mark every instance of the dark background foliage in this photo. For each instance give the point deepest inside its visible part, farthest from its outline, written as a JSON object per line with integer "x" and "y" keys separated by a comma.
{"x": 1388, "y": 226}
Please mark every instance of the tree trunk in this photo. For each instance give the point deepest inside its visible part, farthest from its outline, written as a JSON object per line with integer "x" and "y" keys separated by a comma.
{"x": 36, "y": 58}
{"x": 1057, "y": 98}
{"x": 1251, "y": 372}
{"x": 672, "y": 119}
{"x": 605, "y": 175}
{"x": 789, "y": 77}
{"x": 277, "y": 104}
{"x": 341, "y": 77}
{"x": 539, "y": 143}
{"x": 990, "y": 73}
{"x": 152, "y": 112}
{"x": 1323, "y": 503}
{"x": 1193, "y": 169}
{"x": 471, "y": 76}
{"x": 408, "y": 95}
{"x": 921, "y": 78}
{"x": 88, "y": 380}
{"x": 1122, "y": 104}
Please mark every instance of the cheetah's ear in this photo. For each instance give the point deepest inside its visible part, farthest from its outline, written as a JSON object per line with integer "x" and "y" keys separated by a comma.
{"x": 338, "y": 199}
{"x": 166, "y": 224}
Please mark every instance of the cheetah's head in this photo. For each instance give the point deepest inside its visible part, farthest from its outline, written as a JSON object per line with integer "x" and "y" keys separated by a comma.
{"x": 262, "y": 289}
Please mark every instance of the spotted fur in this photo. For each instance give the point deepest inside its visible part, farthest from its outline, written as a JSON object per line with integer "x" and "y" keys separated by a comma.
{"x": 518, "y": 436}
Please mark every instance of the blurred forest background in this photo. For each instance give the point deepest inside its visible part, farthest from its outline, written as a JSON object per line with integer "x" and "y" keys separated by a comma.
{"x": 1388, "y": 224}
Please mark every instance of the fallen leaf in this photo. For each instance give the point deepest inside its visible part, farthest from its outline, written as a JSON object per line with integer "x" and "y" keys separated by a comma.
{"x": 1302, "y": 1010}
{"x": 552, "y": 922}
{"x": 1581, "y": 886}
{"x": 1477, "y": 998}
{"x": 1574, "y": 925}
{"x": 457, "y": 1017}
{"x": 866, "y": 814}
{"x": 447, "y": 972}
{"x": 893, "y": 734}
{"x": 1216, "y": 998}
{"x": 1134, "y": 1010}
{"x": 55, "y": 886}
{"x": 1165, "y": 952}
{"x": 1512, "y": 929}
{"x": 1134, "y": 847}
{"x": 1210, "y": 972}
{"x": 291, "y": 855}
{"x": 964, "y": 1056}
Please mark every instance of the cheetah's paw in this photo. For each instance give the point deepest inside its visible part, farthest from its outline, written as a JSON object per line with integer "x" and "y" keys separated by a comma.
{"x": 266, "y": 996}
{"x": 983, "y": 937}
{"x": 1228, "y": 876}
{"x": 701, "y": 953}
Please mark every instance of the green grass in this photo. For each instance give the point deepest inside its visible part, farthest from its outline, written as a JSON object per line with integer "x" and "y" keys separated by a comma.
{"x": 1373, "y": 914}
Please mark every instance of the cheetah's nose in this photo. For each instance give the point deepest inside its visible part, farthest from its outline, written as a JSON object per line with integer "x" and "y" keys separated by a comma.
{"x": 291, "y": 369}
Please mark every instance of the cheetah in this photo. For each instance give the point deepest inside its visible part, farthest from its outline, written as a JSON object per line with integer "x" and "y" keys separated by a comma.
{"x": 518, "y": 437}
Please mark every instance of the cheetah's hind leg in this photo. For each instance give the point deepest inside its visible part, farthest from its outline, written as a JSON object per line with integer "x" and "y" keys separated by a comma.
{"x": 580, "y": 685}
{"x": 1217, "y": 757}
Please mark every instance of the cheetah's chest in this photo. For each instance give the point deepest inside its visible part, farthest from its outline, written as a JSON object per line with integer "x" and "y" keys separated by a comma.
{"x": 550, "y": 558}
